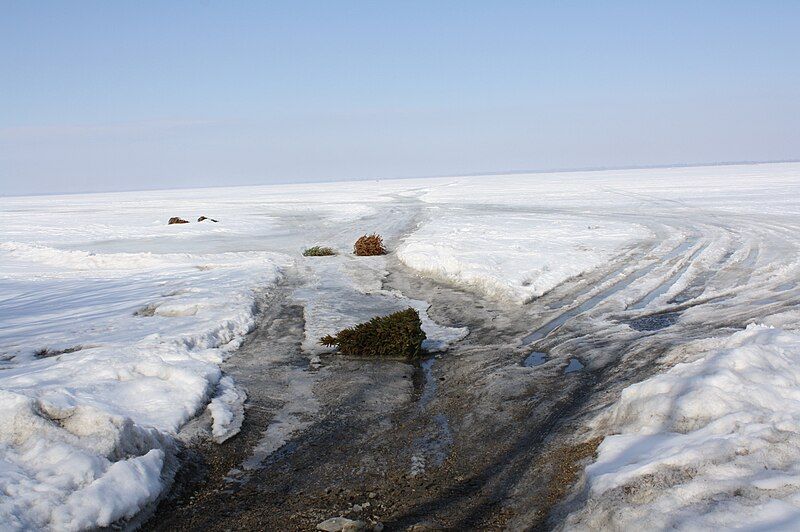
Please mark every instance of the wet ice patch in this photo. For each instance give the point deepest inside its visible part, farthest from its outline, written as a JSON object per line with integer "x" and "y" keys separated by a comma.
{"x": 296, "y": 414}
{"x": 619, "y": 282}
{"x": 654, "y": 322}
{"x": 431, "y": 449}
{"x": 573, "y": 366}
{"x": 429, "y": 383}
{"x": 536, "y": 358}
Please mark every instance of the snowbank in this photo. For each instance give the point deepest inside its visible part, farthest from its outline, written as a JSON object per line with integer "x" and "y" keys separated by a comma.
{"x": 109, "y": 355}
{"x": 514, "y": 256}
{"x": 71, "y": 466}
{"x": 713, "y": 443}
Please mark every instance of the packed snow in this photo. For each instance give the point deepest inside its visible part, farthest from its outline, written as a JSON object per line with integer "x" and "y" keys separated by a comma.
{"x": 113, "y": 324}
{"x": 112, "y": 354}
{"x": 515, "y": 256}
{"x": 713, "y": 443}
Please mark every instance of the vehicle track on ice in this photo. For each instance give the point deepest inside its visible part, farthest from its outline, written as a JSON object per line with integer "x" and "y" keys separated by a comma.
{"x": 474, "y": 438}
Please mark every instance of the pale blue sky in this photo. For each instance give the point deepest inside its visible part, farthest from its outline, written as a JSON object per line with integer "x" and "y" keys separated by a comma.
{"x": 130, "y": 95}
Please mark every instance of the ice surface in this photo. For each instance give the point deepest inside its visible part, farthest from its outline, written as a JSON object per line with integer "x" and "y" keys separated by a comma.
{"x": 291, "y": 419}
{"x": 113, "y": 324}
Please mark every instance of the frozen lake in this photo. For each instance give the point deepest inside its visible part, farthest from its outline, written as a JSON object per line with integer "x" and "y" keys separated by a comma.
{"x": 666, "y": 299}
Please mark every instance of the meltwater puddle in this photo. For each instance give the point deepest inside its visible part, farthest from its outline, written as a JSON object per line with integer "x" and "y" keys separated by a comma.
{"x": 432, "y": 448}
{"x": 536, "y": 358}
{"x": 654, "y": 322}
{"x": 573, "y": 366}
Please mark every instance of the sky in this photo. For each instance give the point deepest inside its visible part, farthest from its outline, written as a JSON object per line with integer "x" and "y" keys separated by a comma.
{"x": 98, "y": 96}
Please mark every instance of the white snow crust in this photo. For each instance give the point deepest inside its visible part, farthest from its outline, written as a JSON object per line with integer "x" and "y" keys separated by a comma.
{"x": 514, "y": 256}
{"x": 713, "y": 443}
{"x": 136, "y": 317}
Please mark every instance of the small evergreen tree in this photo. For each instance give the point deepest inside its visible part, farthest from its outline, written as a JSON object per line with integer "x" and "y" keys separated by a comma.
{"x": 396, "y": 335}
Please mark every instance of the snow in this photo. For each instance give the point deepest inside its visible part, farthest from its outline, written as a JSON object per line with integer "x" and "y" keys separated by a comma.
{"x": 514, "y": 256}
{"x": 136, "y": 482}
{"x": 136, "y": 317}
{"x": 70, "y": 467}
{"x": 713, "y": 443}
{"x": 227, "y": 410}
{"x": 515, "y": 237}
{"x": 148, "y": 332}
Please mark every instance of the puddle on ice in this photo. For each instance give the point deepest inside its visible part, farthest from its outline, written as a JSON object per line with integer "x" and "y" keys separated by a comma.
{"x": 534, "y": 359}
{"x": 573, "y": 366}
{"x": 432, "y": 448}
{"x": 429, "y": 382}
{"x": 654, "y": 322}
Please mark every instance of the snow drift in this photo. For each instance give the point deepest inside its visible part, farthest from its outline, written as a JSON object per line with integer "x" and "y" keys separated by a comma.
{"x": 713, "y": 443}
{"x": 87, "y": 435}
{"x": 514, "y": 256}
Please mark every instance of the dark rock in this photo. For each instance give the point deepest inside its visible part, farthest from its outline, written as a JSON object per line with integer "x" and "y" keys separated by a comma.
{"x": 202, "y": 218}
{"x": 176, "y": 220}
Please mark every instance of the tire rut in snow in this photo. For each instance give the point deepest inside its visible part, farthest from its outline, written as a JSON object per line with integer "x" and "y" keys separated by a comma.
{"x": 496, "y": 444}
{"x": 211, "y": 473}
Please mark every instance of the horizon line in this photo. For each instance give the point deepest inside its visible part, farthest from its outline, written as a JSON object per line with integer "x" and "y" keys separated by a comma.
{"x": 561, "y": 170}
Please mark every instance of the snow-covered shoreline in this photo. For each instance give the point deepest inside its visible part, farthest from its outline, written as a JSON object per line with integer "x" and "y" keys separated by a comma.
{"x": 114, "y": 325}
